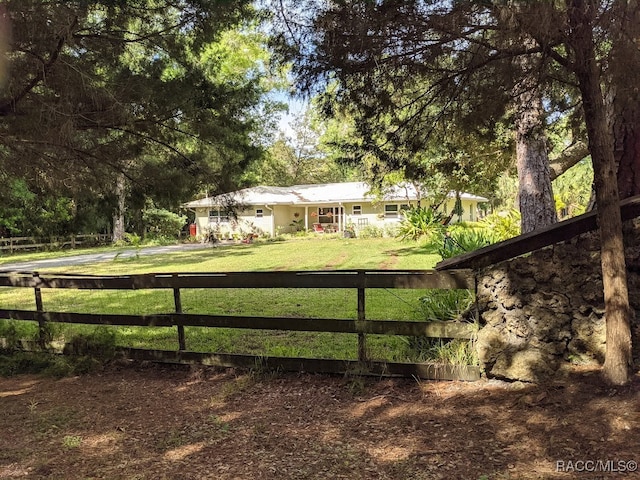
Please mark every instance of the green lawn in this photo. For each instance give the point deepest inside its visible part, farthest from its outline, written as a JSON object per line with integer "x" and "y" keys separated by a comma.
{"x": 307, "y": 253}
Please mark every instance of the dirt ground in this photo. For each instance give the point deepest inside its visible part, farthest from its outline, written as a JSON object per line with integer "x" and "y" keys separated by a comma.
{"x": 150, "y": 422}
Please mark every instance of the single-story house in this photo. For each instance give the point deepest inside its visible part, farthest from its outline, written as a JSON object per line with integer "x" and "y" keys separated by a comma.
{"x": 330, "y": 207}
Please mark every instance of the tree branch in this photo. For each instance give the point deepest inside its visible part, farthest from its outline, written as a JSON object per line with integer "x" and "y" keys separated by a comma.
{"x": 9, "y": 105}
{"x": 567, "y": 159}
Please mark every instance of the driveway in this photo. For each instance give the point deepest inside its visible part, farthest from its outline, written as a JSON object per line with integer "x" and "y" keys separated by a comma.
{"x": 99, "y": 257}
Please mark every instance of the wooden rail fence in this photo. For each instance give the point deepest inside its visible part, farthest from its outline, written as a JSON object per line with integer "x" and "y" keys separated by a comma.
{"x": 13, "y": 244}
{"x": 361, "y": 280}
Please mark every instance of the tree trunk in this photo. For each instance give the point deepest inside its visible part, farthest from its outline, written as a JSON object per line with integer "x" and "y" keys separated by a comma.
{"x": 118, "y": 217}
{"x": 618, "y": 357}
{"x": 535, "y": 194}
{"x": 624, "y": 96}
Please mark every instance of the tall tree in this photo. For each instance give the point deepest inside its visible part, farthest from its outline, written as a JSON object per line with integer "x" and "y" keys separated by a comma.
{"x": 535, "y": 194}
{"x": 101, "y": 88}
{"x": 454, "y": 58}
{"x": 581, "y": 15}
{"x": 622, "y": 96}
{"x": 298, "y": 158}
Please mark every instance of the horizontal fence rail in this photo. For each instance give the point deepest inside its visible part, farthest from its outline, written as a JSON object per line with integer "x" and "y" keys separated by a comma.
{"x": 415, "y": 279}
{"x": 12, "y": 244}
{"x": 361, "y": 280}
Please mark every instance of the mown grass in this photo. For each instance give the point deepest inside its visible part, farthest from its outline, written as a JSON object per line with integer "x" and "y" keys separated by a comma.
{"x": 296, "y": 254}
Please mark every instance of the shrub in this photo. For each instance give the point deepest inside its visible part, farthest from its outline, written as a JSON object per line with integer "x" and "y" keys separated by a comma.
{"x": 370, "y": 231}
{"x": 159, "y": 222}
{"x": 458, "y": 239}
{"x": 419, "y": 222}
{"x": 502, "y": 225}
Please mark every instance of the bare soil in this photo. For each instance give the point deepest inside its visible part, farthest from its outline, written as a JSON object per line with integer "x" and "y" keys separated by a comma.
{"x": 150, "y": 422}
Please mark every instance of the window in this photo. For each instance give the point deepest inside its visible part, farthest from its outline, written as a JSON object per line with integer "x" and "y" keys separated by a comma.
{"x": 329, "y": 214}
{"x": 356, "y": 210}
{"x": 259, "y": 213}
{"x": 391, "y": 211}
{"x": 218, "y": 216}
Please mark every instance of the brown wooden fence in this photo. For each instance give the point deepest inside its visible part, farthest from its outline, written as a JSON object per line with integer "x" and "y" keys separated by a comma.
{"x": 14, "y": 244}
{"x": 361, "y": 280}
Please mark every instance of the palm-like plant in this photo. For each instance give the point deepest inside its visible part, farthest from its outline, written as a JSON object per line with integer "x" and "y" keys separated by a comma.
{"x": 420, "y": 222}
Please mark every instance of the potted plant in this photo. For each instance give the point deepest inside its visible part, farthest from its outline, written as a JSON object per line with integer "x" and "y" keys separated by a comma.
{"x": 349, "y": 231}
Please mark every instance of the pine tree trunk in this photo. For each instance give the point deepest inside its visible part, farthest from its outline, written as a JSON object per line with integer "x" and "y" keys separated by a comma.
{"x": 616, "y": 297}
{"x": 118, "y": 217}
{"x": 535, "y": 194}
{"x": 623, "y": 97}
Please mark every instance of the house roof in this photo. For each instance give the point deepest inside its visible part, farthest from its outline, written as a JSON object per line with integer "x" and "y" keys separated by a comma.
{"x": 325, "y": 193}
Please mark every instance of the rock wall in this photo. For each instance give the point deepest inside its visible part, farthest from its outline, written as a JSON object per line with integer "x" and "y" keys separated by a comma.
{"x": 541, "y": 311}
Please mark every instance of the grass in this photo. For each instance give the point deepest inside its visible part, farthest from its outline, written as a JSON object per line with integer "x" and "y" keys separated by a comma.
{"x": 305, "y": 253}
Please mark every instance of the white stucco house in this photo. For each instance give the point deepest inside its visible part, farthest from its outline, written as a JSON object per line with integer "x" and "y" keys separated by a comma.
{"x": 329, "y": 207}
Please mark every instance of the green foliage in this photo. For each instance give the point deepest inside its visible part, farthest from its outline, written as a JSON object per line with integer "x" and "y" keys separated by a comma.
{"x": 299, "y": 158}
{"x": 130, "y": 239}
{"x": 26, "y": 212}
{"x": 101, "y": 342}
{"x": 71, "y": 441}
{"x": 88, "y": 352}
{"x": 297, "y": 224}
{"x": 445, "y": 304}
{"x": 452, "y": 352}
{"x": 458, "y": 239}
{"x": 502, "y": 225}
{"x": 572, "y": 190}
{"x": 370, "y": 231}
{"x": 170, "y": 94}
{"x": 420, "y": 222}
{"x": 23, "y": 362}
{"x": 159, "y": 222}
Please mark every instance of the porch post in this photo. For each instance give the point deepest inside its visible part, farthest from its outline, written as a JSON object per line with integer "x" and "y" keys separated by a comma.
{"x": 306, "y": 217}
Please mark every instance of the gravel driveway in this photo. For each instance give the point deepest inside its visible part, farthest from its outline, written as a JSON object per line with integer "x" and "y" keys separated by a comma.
{"x": 98, "y": 257}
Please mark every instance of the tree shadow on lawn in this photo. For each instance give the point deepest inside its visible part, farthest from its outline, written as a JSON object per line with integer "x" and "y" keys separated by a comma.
{"x": 186, "y": 259}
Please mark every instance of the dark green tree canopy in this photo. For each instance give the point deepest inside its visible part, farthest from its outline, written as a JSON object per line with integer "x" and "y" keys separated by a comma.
{"x": 96, "y": 87}
{"x": 429, "y": 85}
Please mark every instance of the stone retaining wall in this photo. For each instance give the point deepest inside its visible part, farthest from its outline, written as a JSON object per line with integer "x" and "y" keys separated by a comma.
{"x": 540, "y": 311}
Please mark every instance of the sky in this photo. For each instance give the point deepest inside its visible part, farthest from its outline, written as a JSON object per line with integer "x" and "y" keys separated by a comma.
{"x": 296, "y": 106}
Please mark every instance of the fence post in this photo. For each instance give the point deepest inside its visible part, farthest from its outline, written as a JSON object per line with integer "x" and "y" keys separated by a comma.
{"x": 362, "y": 340}
{"x": 42, "y": 329}
{"x": 178, "y": 302}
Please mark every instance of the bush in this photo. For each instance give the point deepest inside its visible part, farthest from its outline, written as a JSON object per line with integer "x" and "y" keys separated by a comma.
{"x": 159, "y": 222}
{"x": 419, "y": 222}
{"x": 502, "y": 225}
{"x": 458, "y": 239}
{"x": 390, "y": 230}
{"x": 370, "y": 231}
